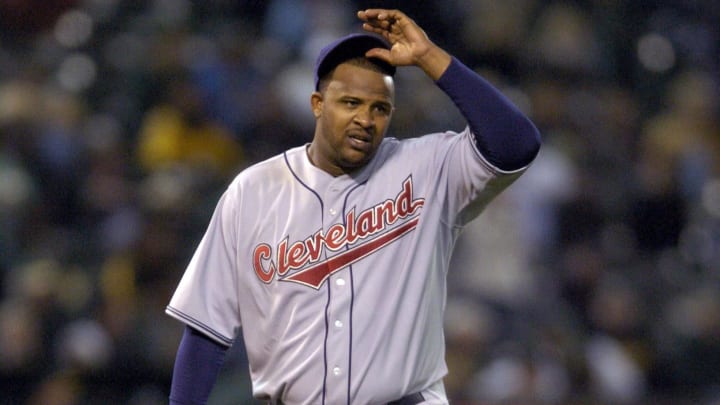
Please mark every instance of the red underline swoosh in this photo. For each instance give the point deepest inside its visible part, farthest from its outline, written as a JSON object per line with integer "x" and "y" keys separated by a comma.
{"x": 314, "y": 276}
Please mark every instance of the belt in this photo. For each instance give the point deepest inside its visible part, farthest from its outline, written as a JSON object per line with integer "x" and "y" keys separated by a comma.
{"x": 411, "y": 399}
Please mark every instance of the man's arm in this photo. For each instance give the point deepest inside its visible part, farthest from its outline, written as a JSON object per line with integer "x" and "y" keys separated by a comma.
{"x": 197, "y": 365}
{"x": 504, "y": 136}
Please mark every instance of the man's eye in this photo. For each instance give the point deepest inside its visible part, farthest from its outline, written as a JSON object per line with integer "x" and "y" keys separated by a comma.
{"x": 351, "y": 103}
{"x": 382, "y": 109}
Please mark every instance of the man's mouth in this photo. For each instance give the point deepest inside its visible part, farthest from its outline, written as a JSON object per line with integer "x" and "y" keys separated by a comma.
{"x": 360, "y": 140}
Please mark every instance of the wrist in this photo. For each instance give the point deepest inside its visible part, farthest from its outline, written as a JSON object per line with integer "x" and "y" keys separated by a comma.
{"x": 434, "y": 62}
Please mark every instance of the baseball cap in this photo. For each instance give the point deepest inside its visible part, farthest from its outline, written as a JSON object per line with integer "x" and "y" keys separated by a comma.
{"x": 348, "y": 47}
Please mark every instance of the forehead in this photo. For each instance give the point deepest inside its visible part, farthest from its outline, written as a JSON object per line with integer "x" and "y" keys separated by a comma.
{"x": 362, "y": 82}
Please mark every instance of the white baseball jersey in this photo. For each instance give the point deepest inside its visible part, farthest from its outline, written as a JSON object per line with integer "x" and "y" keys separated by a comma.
{"x": 338, "y": 284}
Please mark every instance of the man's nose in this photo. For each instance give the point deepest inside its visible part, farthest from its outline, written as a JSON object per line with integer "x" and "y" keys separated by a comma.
{"x": 363, "y": 117}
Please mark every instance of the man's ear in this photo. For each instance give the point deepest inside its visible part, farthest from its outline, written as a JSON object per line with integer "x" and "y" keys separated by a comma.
{"x": 316, "y": 102}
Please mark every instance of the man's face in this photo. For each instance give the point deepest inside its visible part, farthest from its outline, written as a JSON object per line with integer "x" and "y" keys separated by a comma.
{"x": 352, "y": 115}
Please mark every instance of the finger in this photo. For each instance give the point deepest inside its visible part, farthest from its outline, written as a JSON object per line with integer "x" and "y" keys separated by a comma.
{"x": 379, "y": 14}
{"x": 379, "y": 53}
{"x": 369, "y": 14}
{"x": 379, "y": 24}
{"x": 383, "y": 31}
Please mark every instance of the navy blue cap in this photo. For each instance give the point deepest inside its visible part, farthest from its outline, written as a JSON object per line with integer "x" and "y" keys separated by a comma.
{"x": 348, "y": 47}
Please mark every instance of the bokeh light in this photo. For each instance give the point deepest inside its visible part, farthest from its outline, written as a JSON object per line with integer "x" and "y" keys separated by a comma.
{"x": 656, "y": 53}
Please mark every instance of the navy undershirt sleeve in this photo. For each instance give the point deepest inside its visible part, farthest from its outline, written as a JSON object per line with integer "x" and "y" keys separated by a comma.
{"x": 505, "y": 136}
{"x": 197, "y": 365}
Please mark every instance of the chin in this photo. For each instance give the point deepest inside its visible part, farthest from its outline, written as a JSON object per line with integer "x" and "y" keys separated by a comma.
{"x": 354, "y": 164}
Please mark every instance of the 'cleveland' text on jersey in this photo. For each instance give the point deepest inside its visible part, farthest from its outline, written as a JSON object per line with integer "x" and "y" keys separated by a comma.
{"x": 371, "y": 227}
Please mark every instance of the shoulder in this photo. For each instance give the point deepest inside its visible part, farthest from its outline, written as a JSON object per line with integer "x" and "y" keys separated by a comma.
{"x": 429, "y": 143}
{"x": 267, "y": 172}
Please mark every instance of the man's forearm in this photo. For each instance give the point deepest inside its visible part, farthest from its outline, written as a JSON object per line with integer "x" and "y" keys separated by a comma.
{"x": 197, "y": 365}
{"x": 504, "y": 135}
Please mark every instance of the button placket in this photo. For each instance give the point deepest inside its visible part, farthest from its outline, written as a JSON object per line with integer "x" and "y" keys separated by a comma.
{"x": 333, "y": 195}
{"x": 340, "y": 298}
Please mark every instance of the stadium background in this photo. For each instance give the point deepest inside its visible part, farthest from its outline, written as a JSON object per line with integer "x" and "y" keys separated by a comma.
{"x": 122, "y": 121}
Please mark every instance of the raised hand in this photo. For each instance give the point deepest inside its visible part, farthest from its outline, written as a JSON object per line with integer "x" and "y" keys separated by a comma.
{"x": 410, "y": 44}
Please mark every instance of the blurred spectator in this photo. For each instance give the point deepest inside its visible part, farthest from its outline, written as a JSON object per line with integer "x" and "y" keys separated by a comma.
{"x": 178, "y": 132}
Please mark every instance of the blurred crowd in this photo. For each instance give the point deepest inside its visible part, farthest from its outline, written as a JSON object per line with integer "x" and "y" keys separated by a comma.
{"x": 595, "y": 279}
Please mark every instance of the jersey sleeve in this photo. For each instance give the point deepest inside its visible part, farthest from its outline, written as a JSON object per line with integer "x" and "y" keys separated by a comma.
{"x": 206, "y": 297}
{"x": 498, "y": 145}
{"x": 472, "y": 181}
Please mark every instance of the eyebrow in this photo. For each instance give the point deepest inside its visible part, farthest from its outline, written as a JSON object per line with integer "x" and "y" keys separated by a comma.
{"x": 382, "y": 100}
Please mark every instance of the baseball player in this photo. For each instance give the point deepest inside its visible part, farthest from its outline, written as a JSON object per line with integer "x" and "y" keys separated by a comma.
{"x": 330, "y": 260}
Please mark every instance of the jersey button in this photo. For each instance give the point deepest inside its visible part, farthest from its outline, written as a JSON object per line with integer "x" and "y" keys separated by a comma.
{"x": 332, "y": 211}
{"x": 338, "y": 324}
{"x": 337, "y": 371}
{"x": 340, "y": 282}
